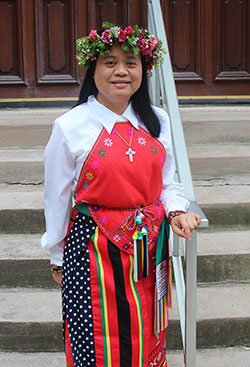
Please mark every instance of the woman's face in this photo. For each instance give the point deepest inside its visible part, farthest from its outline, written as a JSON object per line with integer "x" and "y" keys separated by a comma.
{"x": 117, "y": 77}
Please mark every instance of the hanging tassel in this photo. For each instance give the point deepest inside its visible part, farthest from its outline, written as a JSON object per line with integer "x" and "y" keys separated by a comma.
{"x": 170, "y": 285}
{"x": 140, "y": 241}
{"x": 160, "y": 314}
{"x": 134, "y": 237}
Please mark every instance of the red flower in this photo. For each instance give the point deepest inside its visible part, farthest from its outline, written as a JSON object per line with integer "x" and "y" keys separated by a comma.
{"x": 122, "y": 36}
{"x": 128, "y": 30}
{"x": 149, "y": 67}
{"x": 92, "y": 34}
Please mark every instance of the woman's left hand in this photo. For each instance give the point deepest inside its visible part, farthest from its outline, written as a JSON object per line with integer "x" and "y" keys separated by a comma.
{"x": 183, "y": 224}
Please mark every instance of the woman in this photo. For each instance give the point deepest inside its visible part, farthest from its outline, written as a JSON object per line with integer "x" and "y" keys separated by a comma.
{"x": 113, "y": 153}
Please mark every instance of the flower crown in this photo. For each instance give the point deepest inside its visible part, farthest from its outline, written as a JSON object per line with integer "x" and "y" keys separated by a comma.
{"x": 135, "y": 39}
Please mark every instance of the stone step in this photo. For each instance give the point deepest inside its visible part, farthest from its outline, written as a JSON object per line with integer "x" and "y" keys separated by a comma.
{"x": 218, "y": 357}
{"x": 223, "y": 315}
{"x": 222, "y": 257}
{"x": 32, "y": 127}
{"x": 210, "y": 165}
{"x": 22, "y": 211}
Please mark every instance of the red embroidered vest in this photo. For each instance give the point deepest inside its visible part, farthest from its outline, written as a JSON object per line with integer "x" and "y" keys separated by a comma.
{"x": 115, "y": 189}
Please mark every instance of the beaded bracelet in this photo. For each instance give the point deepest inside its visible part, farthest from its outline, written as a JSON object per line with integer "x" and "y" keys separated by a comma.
{"x": 56, "y": 268}
{"x": 176, "y": 213}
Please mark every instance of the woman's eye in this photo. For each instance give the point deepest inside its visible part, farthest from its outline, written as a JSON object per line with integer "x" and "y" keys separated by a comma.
{"x": 110, "y": 63}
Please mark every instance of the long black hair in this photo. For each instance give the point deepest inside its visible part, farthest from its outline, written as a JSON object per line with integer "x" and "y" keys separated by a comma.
{"x": 140, "y": 100}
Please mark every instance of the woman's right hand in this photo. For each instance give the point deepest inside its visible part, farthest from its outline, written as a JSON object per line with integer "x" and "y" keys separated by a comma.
{"x": 57, "y": 278}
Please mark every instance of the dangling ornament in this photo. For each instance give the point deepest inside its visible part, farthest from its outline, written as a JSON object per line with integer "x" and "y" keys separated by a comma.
{"x": 140, "y": 240}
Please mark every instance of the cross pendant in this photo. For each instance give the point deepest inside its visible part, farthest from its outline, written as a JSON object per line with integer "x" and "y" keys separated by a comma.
{"x": 130, "y": 153}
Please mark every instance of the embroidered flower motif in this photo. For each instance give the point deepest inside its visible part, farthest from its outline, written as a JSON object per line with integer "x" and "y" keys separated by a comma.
{"x": 89, "y": 176}
{"x": 157, "y": 203}
{"x": 103, "y": 219}
{"x": 117, "y": 238}
{"x": 85, "y": 185}
{"x": 162, "y": 159}
{"x": 153, "y": 150}
{"x": 125, "y": 246}
{"x": 141, "y": 141}
{"x": 108, "y": 142}
{"x": 154, "y": 239}
{"x": 102, "y": 153}
{"x": 95, "y": 164}
{"x": 129, "y": 131}
{"x": 156, "y": 228}
{"x": 158, "y": 212}
{"x": 95, "y": 209}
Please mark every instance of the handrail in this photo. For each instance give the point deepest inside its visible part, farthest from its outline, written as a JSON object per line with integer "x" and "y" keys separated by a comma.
{"x": 185, "y": 285}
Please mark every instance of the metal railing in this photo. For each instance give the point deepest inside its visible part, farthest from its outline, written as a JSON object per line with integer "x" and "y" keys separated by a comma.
{"x": 163, "y": 94}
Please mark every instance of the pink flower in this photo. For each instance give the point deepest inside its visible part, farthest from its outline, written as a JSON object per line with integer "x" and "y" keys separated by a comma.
{"x": 92, "y": 58}
{"x": 92, "y": 34}
{"x": 128, "y": 30}
{"x": 155, "y": 41}
{"x": 122, "y": 36}
{"x": 106, "y": 36}
{"x": 143, "y": 46}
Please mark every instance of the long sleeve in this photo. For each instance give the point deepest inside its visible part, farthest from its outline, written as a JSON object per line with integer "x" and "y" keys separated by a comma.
{"x": 172, "y": 195}
{"x": 59, "y": 175}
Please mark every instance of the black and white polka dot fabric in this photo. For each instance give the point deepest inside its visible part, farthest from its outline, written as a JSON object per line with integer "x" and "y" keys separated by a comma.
{"x": 76, "y": 295}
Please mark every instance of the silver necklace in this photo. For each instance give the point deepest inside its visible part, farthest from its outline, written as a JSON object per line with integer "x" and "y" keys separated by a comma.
{"x": 129, "y": 152}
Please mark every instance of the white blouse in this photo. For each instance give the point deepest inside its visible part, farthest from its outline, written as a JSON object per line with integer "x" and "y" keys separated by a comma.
{"x": 72, "y": 138}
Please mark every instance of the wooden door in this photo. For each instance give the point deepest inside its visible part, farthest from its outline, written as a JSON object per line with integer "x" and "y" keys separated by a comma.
{"x": 209, "y": 43}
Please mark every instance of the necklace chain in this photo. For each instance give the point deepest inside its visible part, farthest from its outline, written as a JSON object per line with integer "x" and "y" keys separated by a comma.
{"x": 131, "y": 137}
{"x": 129, "y": 152}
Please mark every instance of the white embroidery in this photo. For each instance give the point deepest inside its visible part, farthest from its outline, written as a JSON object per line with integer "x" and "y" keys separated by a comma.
{"x": 141, "y": 141}
{"x": 116, "y": 238}
{"x": 108, "y": 142}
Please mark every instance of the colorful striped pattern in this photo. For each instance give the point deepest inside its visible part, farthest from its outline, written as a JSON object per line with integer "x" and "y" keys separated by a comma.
{"x": 122, "y": 309}
{"x": 119, "y": 304}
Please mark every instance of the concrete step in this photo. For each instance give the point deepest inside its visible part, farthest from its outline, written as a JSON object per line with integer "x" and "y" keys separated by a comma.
{"x": 223, "y": 319}
{"x": 27, "y": 128}
{"x": 21, "y": 207}
{"x": 219, "y": 357}
{"x": 222, "y": 257}
{"x": 210, "y": 165}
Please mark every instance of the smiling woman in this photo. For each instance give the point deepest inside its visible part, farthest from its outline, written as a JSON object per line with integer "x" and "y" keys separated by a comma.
{"x": 117, "y": 77}
{"x": 113, "y": 154}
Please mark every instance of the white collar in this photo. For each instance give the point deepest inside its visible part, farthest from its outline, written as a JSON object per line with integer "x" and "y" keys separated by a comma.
{"x": 107, "y": 117}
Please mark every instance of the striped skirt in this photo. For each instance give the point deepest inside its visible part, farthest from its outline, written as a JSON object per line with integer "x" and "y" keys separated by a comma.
{"x": 108, "y": 318}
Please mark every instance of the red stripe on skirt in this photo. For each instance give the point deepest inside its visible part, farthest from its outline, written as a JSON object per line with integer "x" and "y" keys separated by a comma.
{"x": 96, "y": 307}
{"x": 111, "y": 299}
{"x": 133, "y": 310}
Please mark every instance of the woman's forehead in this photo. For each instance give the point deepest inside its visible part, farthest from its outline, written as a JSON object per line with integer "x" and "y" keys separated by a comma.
{"x": 116, "y": 51}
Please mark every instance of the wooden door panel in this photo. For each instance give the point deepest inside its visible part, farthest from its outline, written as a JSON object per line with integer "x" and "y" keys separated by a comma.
{"x": 12, "y": 42}
{"x": 55, "y": 42}
{"x": 232, "y": 33}
{"x": 184, "y": 26}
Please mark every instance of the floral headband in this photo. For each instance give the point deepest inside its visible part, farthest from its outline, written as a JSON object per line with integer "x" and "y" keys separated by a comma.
{"x": 135, "y": 39}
